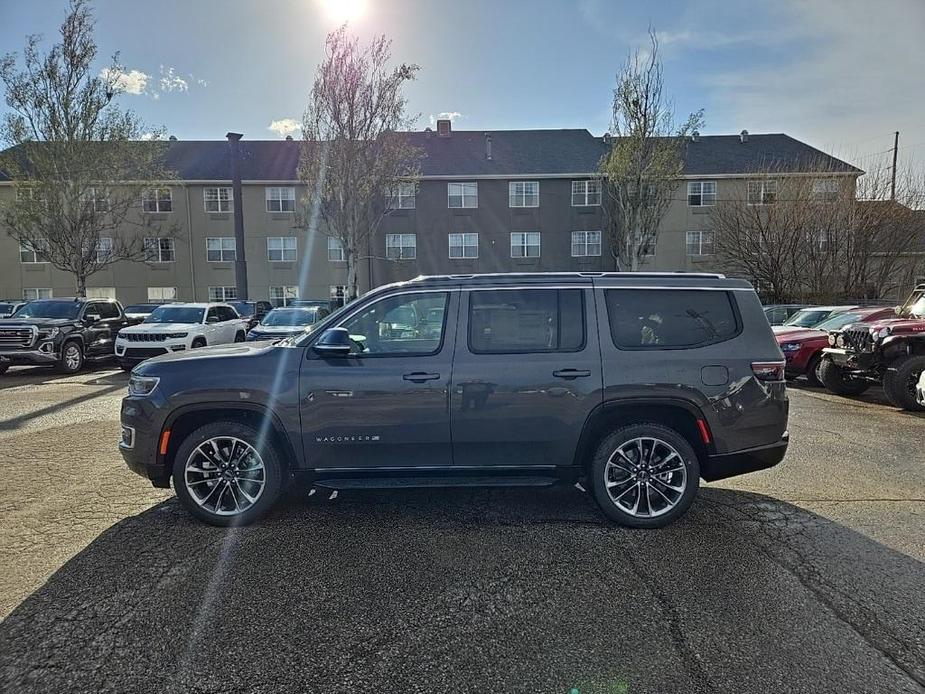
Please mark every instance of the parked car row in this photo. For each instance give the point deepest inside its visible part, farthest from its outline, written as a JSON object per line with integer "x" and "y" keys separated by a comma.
{"x": 846, "y": 349}
{"x": 67, "y": 333}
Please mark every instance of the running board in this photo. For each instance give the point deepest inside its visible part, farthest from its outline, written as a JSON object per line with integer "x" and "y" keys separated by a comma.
{"x": 413, "y": 482}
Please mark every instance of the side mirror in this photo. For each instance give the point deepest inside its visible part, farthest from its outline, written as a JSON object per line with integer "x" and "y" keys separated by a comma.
{"x": 212, "y": 319}
{"x": 334, "y": 342}
{"x": 92, "y": 317}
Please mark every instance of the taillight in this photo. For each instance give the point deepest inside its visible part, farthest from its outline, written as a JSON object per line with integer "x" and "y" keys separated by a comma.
{"x": 768, "y": 370}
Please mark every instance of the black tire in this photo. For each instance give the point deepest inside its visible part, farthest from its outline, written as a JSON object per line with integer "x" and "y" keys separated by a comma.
{"x": 272, "y": 466}
{"x": 837, "y": 381}
{"x": 900, "y": 379}
{"x": 600, "y": 476}
{"x": 814, "y": 371}
{"x": 239, "y": 337}
{"x": 198, "y": 342}
{"x": 72, "y": 357}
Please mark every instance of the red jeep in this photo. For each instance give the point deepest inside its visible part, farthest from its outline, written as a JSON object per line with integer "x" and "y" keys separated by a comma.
{"x": 802, "y": 347}
{"x": 889, "y": 351}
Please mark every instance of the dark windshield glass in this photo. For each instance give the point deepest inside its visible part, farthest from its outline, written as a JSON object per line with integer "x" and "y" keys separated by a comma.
{"x": 175, "y": 314}
{"x": 49, "y": 309}
{"x": 807, "y": 318}
{"x": 290, "y": 316}
{"x": 244, "y": 308}
{"x": 839, "y": 321}
{"x": 140, "y": 308}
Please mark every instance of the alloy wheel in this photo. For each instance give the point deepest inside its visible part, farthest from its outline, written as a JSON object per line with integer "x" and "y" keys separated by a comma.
{"x": 645, "y": 477}
{"x": 72, "y": 357}
{"x": 225, "y": 475}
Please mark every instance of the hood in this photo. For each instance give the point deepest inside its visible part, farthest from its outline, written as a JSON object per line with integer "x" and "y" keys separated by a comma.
{"x": 148, "y": 328}
{"x": 40, "y": 322}
{"x": 778, "y": 329}
{"x": 800, "y": 335}
{"x": 896, "y": 325}
{"x": 281, "y": 330}
{"x": 235, "y": 350}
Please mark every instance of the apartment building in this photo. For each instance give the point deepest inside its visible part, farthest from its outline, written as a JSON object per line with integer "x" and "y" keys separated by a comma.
{"x": 502, "y": 201}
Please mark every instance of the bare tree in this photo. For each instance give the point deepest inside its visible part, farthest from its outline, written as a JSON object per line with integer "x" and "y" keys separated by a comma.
{"x": 640, "y": 173}
{"x": 71, "y": 155}
{"x": 353, "y": 157}
{"x": 818, "y": 236}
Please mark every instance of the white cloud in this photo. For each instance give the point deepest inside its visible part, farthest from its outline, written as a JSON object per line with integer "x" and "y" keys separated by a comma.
{"x": 172, "y": 82}
{"x": 445, "y": 115}
{"x": 149, "y": 136}
{"x": 285, "y": 126}
{"x": 130, "y": 82}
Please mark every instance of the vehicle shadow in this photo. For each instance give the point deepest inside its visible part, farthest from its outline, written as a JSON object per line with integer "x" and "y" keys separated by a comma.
{"x": 872, "y": 396}
{"x": 475, "y": 590}
{"x": 18, "y": 421}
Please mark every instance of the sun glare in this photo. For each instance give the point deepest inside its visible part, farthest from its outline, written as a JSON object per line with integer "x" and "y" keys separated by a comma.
{"x": 341, "y": 11}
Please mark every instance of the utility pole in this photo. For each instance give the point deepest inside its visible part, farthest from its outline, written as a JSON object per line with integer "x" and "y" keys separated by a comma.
{"x": 240, "y": 262}
{"x": 895, "y": 150}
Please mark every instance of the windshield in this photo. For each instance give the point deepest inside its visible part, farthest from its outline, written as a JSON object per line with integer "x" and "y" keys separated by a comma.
{"x": 917, "y": 309}
{"x": 49, "y": 309}
{"x": 807, "y": 318}
{"x": 6, "y": 308}
{"x": 140, "y": 308}
{"x": 244, "y": 308}
{"x": 175, "y": 314}
{"x": 840, "y": 321}
{"x": 290, "y": 316}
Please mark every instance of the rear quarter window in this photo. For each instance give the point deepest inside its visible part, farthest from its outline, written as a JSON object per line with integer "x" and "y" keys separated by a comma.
{"x": 670, "y": 318}
{"x": 525, "y": 321}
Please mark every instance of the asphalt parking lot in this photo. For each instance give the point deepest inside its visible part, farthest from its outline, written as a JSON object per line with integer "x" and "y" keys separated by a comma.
{"x": 806, "y": 578}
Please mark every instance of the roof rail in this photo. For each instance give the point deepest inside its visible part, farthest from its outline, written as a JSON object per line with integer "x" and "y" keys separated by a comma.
{"x": 710, "y": 275}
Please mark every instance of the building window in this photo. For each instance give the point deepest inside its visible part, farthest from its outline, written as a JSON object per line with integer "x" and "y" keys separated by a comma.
{"x": 523, "y": 194}
{"x": 104, "y": 249}
{"x": 281, "y": 199}
{"x": 701, "y": 193}
{"x": 335, "y": 249}
{"x": 462, "y": 194}
{"x": 825, "y": 189}
{"x": 157, "y": 200}
{"x": 586, "y": 243}
{"x": 338, "y": 294}
{"x": 401, "y": 246}
{"x": 762, "y": 192}
{"x": 221, "y": 249}
{"x": 36, "y": 293}
{"x": 464, "y": 245}
{"x": 101, "y": 292}
{"x": 586, "y": 193}
{"x": 281, "y": 249}
{"x": 525, "y": 244}
{"x": 223, "y": 293}
{"x": 159, "y": 250}
{"x": 648, "y": 248}
{"x": 162, "y": 294}
{"x": 35, "y": 251}
{"x": 283, "y": 296}
{"x": 98, "y": 200}
{"x": 699, "y": 243}
{"x": 402, "y": 196}
{"x": 218, "y": 199}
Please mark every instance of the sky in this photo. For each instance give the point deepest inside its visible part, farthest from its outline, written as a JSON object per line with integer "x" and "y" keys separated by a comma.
{"x": 841, "y": 75}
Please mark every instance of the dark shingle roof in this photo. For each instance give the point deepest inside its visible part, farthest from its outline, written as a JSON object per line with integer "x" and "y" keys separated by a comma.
{"x": 514, "y": 153}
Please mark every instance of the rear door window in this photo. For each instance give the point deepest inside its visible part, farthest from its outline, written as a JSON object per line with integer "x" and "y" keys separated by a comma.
{"x": 521, "y": 321}
{"x": 670, "y": 318}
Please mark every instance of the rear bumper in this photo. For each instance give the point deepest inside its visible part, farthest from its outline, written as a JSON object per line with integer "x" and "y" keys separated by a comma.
{"x": 724, "y": 465}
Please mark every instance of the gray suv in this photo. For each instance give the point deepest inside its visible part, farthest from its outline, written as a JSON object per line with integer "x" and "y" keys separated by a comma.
{"x": 637, "y": 384}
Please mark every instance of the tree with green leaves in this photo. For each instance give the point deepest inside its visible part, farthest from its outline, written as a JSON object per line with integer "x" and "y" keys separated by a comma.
{"x": 79, "y": 172}
{"x": 354, "y": 157}
{"x": 641, "y": 171}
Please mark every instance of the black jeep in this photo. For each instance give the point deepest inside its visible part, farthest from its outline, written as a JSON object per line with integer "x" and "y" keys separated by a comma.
{"x": 640, "y": 384}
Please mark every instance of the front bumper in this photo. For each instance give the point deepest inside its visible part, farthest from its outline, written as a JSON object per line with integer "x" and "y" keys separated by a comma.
{"x": 723, "y": 465}
{"x": 139, "y": 445}
{"x": 136, "y": 352}
{"x": 29, "y": 356}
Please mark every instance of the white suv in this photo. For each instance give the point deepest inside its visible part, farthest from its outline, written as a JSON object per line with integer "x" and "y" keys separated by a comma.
{"x": 176, "y": 328}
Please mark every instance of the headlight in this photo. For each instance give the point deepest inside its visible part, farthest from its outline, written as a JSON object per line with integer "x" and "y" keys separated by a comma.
{"x": 790, "y": 347}
{"x": 883, "y": 332}
{"x": 50, "y": 334}
{"x": 142, "y": 385}
{"x": 176, "y": 336}
{"x": 840, "y": 340}
{"x": 832, "y": 339}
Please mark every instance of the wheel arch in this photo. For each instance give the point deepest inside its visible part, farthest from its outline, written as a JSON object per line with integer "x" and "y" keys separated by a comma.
{"x": 681, "y": 415}
{"x": 185, "y": 420}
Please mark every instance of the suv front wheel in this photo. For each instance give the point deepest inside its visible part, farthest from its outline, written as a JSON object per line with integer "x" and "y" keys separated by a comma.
{"x": 645, "y": 475}
{"x": 225, "y": 475}
{"x": 837, "y": 380}
{"x": 900, "y": 380}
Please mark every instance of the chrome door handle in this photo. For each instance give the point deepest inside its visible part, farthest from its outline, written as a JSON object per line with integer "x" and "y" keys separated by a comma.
{"x": 420, "y": 377}
{"x": 569, "y": 374}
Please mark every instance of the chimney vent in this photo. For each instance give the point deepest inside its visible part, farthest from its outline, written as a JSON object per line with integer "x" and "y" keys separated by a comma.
{"x": 172, "y": 138}
{"x": 695, "y": 136}
{"x": 289, "y": 138}
{"x": 488, "y": 146}
{"x": 743, "y": 136}
{"x": 444, "y": 126}
{"x": 607, "y": 138}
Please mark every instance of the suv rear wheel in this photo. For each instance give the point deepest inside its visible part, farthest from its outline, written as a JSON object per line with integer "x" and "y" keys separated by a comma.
{"x": 645, "y": 475}
{"x": 224, "y": 475}
{"x": 838, "y": 381}
{"x": 900, "y": 380}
